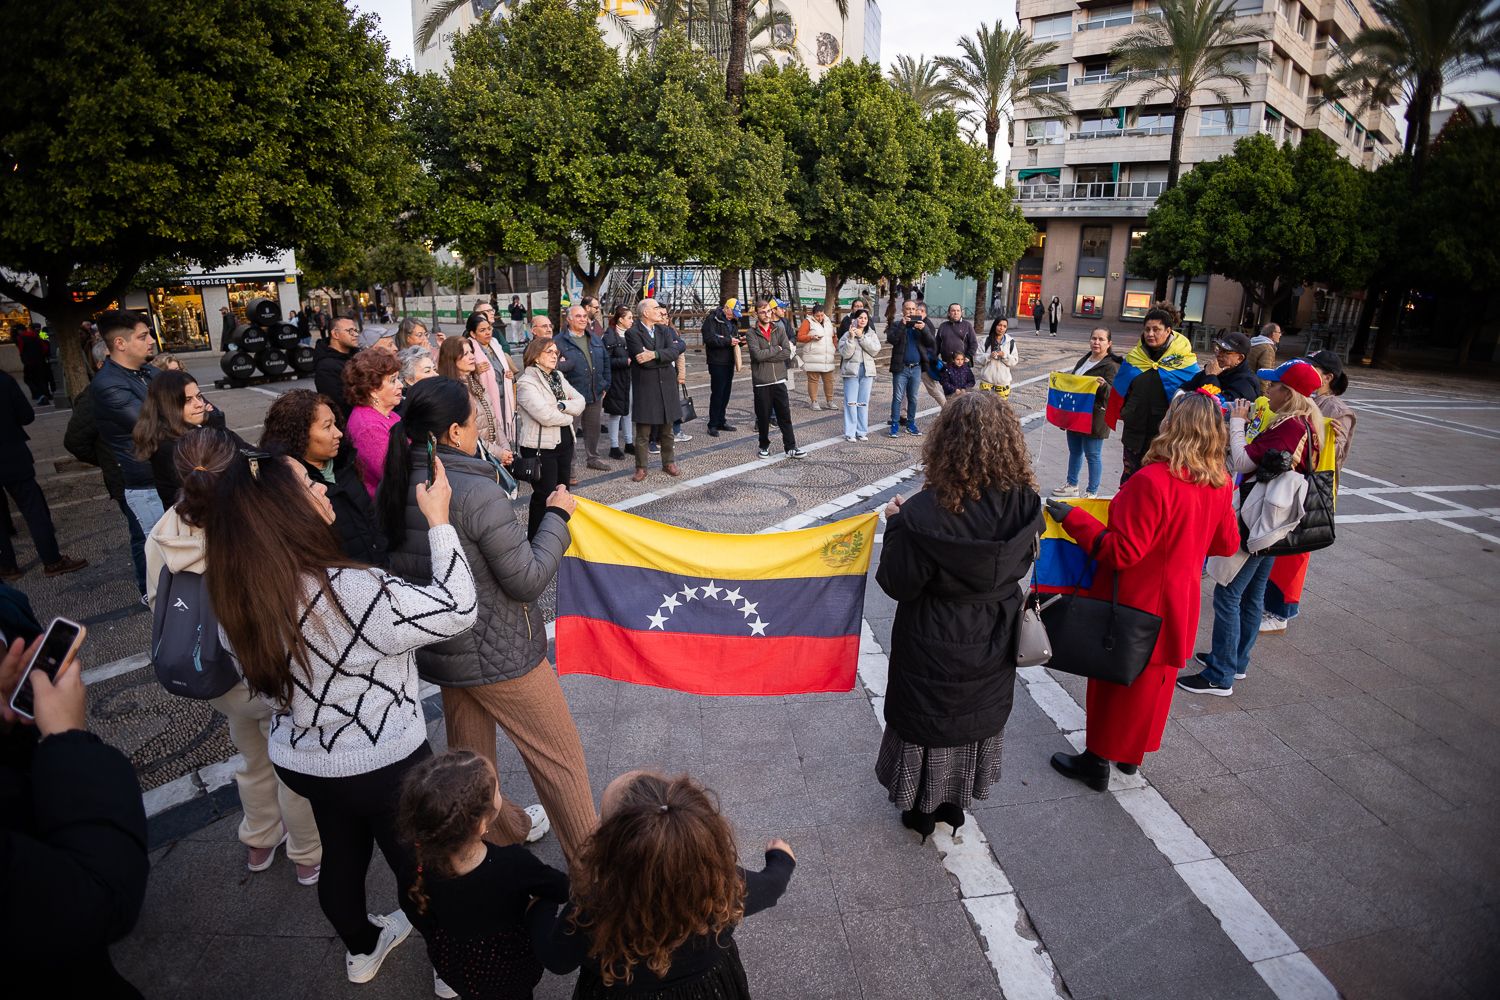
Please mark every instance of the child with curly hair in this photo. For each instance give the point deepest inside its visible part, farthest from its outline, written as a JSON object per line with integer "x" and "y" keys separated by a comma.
{"x": 654, "y": 910}
{"x": 471, "y": 896}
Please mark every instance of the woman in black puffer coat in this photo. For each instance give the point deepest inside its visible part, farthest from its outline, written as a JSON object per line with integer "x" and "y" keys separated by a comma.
{"x": 953, "y": 559}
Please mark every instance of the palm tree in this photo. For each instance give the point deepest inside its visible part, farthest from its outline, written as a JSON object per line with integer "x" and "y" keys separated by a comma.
{"x": 1419, "y": 48}
{"x": 922, "y": 81}
{"x": 994, "y": 76}
{"x": 1191, "y": 45}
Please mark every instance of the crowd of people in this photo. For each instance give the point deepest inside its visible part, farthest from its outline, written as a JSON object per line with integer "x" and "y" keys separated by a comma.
{"x": 370, "y": 541}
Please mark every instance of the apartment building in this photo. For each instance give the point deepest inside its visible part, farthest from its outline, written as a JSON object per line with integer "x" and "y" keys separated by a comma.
{"x": 1087, "y": 181}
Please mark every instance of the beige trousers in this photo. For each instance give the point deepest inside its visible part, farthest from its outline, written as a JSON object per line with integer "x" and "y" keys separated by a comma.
{"x": 269, "y": 805}
{"x": 533, "y": 711}
{"x": 815, "y": 379}
{"x": 934, "y": 390}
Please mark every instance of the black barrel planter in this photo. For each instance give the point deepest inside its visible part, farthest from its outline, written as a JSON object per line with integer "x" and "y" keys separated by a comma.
{"x": 247, "y": 338}
{"x": 263, "y": 312}
{"x": 271, "y": 361}
{"x": 301, "y": 358}
{"x": 283, "y": 335}
{"x": 238, "y": 366}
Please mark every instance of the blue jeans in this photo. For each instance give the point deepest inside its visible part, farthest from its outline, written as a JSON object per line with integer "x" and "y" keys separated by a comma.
{"x": 137, "y": 545}
{"x": 1080, "y": 447}
{"x": 857, "y": 405}
{"x": 1237, "y": 611}
{"x": 905, "y": 385}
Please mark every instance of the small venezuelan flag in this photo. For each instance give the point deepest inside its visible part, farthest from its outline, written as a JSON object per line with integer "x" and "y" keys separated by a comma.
{"x": 1061, "y": 566}
{"x": 1070, "y": 401}
{"x": 648, "y": 290}
{"x": 648, "y": 603}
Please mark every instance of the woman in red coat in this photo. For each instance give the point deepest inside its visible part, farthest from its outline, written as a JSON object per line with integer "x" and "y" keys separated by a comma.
{"x": 1166, "y": 519}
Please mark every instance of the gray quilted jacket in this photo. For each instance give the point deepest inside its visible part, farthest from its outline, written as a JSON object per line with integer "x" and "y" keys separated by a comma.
{"x": 509, "y": 637}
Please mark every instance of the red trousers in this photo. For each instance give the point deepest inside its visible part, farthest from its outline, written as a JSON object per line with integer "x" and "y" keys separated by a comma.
{"x": 1126, "y": 723}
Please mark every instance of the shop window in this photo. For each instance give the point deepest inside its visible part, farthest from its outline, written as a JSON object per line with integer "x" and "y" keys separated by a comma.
{"x": 1196, "y": 297}
{"x": 245, "y": 292}
{"x": 1090, "y": 298}
{"x": 1094, "y": 242}
{"x": 181, "y": 321}
{"x": 1138, "y": 295}
{"x": 1028, "y": 291}
{"x": 11, "y": 319}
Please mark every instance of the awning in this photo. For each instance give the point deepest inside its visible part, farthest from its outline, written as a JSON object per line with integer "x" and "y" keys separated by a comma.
{"x": 1273, "y": 112}
{"x": 1022, "y": 175}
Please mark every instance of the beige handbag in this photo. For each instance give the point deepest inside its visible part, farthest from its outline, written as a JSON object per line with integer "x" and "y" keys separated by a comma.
{"x": 739, "y": 359}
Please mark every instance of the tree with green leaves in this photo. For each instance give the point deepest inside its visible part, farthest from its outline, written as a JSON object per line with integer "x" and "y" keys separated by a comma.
{"x": 921, "y": 79}
{"x": 176, "y": 133}
{"x": 400, "y": 264}
{"x": 994, "y": 75}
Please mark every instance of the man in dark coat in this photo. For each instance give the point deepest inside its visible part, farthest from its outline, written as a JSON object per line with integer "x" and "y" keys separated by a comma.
{"x": 18, "y": 479}
{"x": 584, "y": 362}
{"x": 119, "y": 392}
{"x": 956, "y": 335}
{"x": 34, "y": 353}
{"x": 655, "y": 398}
{"x": 329, "y": 359}
{"x": 227, "y": 324}
{"x": 1229, "y": 370}
{"x": 83, "y": 441}
{"x": 721, "y": 332}
{"x": 912, "y": 350}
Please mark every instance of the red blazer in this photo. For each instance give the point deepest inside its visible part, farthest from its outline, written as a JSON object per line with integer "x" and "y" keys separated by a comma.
{"x": 1161, "y": 529}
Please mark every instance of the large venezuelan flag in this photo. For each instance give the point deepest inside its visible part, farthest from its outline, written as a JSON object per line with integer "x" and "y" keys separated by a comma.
{"x": 1061, "y": 566}
{"x": 649, "y": 603}
{"x": 1177, "y": 366}
{"x": 1070, "y": 401}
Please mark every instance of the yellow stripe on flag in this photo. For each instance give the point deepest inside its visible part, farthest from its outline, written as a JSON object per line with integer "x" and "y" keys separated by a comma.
{"x": 604, "y": 535}
{"x": 1098, "y": 507}
{"x": 1066, "y": 382}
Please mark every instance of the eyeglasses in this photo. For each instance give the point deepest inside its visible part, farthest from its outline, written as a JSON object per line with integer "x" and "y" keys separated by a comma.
{"x": 550, "y": 350}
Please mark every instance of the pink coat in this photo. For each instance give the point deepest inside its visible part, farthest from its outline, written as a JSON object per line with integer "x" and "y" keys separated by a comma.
{"x": 499, "y": 390}
{"x": 370, "y": 433}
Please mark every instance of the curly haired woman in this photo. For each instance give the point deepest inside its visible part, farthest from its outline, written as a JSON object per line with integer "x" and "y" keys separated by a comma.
{"x": 954, "y": 556}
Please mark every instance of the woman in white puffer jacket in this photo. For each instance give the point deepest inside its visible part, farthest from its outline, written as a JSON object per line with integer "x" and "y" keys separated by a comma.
{"x": 818, "y": 347}
{"x": 857, "y": 350}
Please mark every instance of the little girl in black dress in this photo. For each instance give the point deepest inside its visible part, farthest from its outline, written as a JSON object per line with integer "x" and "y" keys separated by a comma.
{"x": 471, "y": 896}
{"x": 654, "y": 917}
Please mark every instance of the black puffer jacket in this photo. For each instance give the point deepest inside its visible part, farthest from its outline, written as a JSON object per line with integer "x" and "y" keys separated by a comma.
{"x": 353, "y": 514}
{"x": 509, "y": 638}
{"x": 617, "y": 399}
{"x": 719, "y": 332}
{"x": 328, "y": 376}
{"x": 956, "y": 578}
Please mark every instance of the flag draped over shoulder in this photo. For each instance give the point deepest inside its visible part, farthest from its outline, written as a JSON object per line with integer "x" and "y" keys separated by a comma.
{"x": 1070, "y": 401}
{"x": 1176, "y": 366}
{"x": 1061, "y": 565}
{"x": 648, "y": 603}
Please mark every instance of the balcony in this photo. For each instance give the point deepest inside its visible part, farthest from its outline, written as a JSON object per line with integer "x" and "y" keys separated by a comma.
{"x": 1340, "y": 15}
{"x": 1121, "y": 133}
{"x": 1091, "y": 199}
{"x": 1137, "y": 74}
{"x": 1115, "y": 20}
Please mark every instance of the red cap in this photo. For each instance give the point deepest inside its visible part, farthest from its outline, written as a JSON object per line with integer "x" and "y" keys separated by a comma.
{"x": 1297, "y": 375}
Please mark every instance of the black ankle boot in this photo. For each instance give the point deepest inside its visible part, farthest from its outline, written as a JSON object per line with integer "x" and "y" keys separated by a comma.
{"x": 916, "y": 819}
{"x": 1089, "y": 768}
{"x": 1128, "y": 768}
{"x": 951, "y": 814}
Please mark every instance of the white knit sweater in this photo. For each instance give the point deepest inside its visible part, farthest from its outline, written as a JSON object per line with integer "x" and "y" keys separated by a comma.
{"x": 360, "y": 712}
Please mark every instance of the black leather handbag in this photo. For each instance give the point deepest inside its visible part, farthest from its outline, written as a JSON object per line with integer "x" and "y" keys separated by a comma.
{"x": 527, "y": 468}
{"x": 1100, "y": 640}
{"x": 689, "y": 411}
{"x": 1315, "y": 530}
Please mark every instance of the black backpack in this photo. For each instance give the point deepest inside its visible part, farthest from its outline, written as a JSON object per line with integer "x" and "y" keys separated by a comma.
{"x": 185, "y": 650}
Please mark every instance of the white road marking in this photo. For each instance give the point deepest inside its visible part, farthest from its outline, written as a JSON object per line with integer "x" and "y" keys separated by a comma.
{"x": 1437, "y": 425}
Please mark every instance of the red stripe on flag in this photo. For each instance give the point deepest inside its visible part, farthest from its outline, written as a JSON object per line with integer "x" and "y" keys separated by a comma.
{"x": 1112, "y": 409}
{"x": 1070, "y": 420}
{"x": 707, "y": 664}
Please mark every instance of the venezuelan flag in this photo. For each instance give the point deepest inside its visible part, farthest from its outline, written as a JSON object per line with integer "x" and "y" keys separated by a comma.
{"x": 1061, "y": 566}
{"x": 648, "y": 289}
{"x": 1177, "y": 365}
{"x": 648, "y": 603}
{"x": 1070, "y": 401}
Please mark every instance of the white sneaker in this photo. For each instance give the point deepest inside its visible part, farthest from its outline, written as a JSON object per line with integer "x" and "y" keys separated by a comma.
{"x": 680, "y": 437}
{"x": 1066, "y": 490}
{"x": 442, "y": 989}
{"x": 1091, "y": 496}
{"x": 1272, "y": 623}
{"x": 864, "y": 437}
{"x": 394, "y": 928}
{"x": 540, "y": 824}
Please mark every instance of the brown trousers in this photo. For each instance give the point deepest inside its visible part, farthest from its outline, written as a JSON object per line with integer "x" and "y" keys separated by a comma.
{"x": 815, "y": 379}
{"x": 533, "y": 711}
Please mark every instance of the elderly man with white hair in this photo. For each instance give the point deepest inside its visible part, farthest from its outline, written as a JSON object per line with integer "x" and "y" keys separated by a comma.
{"x": 655, "y": 397}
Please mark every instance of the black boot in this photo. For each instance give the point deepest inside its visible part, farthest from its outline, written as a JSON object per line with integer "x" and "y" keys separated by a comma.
{"x": 951, "y": 814}
{"x": 916, "y": 819}
{"x": 1089, "y": 768}
{"x": 1127, "y": 768}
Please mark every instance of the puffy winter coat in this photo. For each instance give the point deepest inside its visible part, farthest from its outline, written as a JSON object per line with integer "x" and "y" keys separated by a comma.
{"x": 719, "y": 332}
{"x": 956, "y": 579}
{"x": 856, "y": 350}
{"x": 539, "y": 421}
{"x": 819, "y": 351}
{"x": 328, "y": 376}
{"x": 617, "y": 399}
{"x": 509, "y": 637}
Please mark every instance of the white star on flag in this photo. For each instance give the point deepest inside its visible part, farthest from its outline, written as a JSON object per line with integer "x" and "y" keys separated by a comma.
{"x": 748, "y": 609}
{"x": 732, "y": 596}
{"x": 658, "y": 621}
{"x": 689, "y": 593}
{"x": 710, "y": 590}
{"x": 670, "y": 602}
{"x": 758, "y": 627}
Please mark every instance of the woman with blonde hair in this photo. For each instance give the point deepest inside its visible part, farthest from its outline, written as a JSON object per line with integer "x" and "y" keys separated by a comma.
{"x": 1167, "y": 518}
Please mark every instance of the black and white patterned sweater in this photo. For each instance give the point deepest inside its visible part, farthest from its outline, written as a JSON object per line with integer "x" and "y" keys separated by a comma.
{"x": 360, "y": 711}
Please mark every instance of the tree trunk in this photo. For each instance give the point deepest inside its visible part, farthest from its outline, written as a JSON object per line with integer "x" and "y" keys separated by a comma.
{"x": 1174, "y": 169}
{"x": 69, "y": 316}
{"x": 592, "y": 280}
{"x": 831, "y": 294}
{"x": 981, "y": 297}
{"x": 890, "y": 301}
{"x": 729, "y": 284}
{"x": 739, "y": 41}
{"x": 554, "y": 290}
{"x": 1390, "y": 318}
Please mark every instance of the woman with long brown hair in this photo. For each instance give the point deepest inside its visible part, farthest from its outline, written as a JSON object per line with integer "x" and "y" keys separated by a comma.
{"x": 173, "y": 406}
{"x": 456, "y": 360}
{"x": 330, "y": 643}
{"x": 954, "y": 556}
{"x": 1166, "y": 520}
{"x": 658, "y": 897}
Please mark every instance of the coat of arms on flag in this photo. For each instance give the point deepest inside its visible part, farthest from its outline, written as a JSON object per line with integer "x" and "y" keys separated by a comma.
{"x": 721, "y": 614}
{"x": 1070, "y": 401}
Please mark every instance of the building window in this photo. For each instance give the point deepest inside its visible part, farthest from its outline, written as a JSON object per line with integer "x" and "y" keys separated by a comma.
{"x": 1057, "y": 26}
{"x": 1247, "y": 8}
{"x": 1138, "y": 295}
{"x": 1155, "y": 122}
{"x": 1055, "y": 79}
{"x": 1095, "y": 124}
{"x": 1094, "y": 242}
{"x": 1196, "y": 298}
{"x": 1044, "y": 132}
{"x": 1221, "y": 121}
{"x": 1137, "y": 238}
{"x": 1108, "y": 17}
{"x": 1089, "y": 300}
{"x": 1304, "y": 25}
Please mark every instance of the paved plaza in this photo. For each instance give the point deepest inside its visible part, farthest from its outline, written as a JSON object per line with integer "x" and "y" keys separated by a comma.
{"x": 1329, "y": 830}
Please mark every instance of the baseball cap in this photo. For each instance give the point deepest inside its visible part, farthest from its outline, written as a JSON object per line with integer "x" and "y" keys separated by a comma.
{"x": 732, "y": 307}
{"x": 1233, "y": 340}
{"x": 1327, "y": 361}
{"x": 776, "y": 303}
{"x": 370, "y": 335}
{"x": 1296, "y": 374}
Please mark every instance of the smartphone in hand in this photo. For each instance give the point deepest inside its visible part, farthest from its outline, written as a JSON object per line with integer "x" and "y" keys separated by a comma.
{"x": 431, "y": 459}
{"x": 62, "y": 640}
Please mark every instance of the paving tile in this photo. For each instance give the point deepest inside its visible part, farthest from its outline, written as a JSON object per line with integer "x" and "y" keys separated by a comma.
{"x": 928, "y": 950}
{"x": 1466, "y": 945}
{"x": 796, "y": 957}
{"x": 1370, "y": 720}
{"x": 1308, "y": 731}
{"x": 139, "y": 959}
{"x": 1026, "y": 719}
{"x": 883, "y": 867}
{"x": 1229, "y": 817}
{"x": 1129, "y": 933}
{"x": 1441, "y": 717}
{"x": 1306, "y": 895}
{"x": 1229, "y": 982}
{"x": 1462, "y": 842}
{"x": 768, "y": 793}
{"x": 747, "y": 732}
{"x": 589, "y": 694}
{"x": 1306, "y": 796}
{"x": 1084, "y": 838}
{"x": 1461, "y": 778}
{"x": 1402, "y": 880}
{"x": 1181, "y": 757}
{"x": 834, "y": 728}
{"x": 810, "y": 893}
{"x": 1362, "y": 669}
{"x": 1026, "y": 775}
{"x": 1385, "y": 966}
{"x": 642, "y": 737}
{"x": 1382, "y": 787}
{"x": 267, "y": 967}
{"x": 1266, "y": 687}
{"x": 1238, "y": 741}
